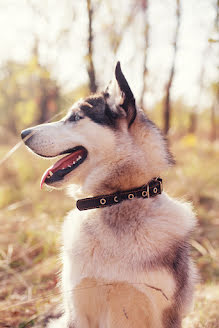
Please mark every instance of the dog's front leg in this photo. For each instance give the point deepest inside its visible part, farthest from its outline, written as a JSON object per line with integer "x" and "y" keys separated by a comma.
{"x": 68, "y": 291}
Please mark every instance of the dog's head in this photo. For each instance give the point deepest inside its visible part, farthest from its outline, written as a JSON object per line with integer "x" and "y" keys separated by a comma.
{"x": 108, "y": 143}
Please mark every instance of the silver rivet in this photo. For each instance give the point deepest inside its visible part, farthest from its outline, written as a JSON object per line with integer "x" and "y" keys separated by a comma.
{"x": 144, "y": 193}
{"x": 131, "y": 196}
{"x": 102, "y": 201}
{"x": 115, "y": 199}
{"x": 155, "y": 190}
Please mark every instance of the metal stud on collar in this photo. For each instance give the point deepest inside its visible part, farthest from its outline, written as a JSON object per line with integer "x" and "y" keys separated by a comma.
{"x": 131, "y": 196}
{"x": 102, "y": 201}
{"x": 144, "y": 193}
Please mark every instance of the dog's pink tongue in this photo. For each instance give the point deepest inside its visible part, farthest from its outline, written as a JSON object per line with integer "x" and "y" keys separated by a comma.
{"x": 61, "y": 164}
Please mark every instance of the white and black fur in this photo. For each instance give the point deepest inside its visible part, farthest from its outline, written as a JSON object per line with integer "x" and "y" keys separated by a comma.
{"x": 126, "y": 265}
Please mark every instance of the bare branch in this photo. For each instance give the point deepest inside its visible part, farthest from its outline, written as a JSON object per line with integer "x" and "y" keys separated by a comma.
{"x": 167, "y": 103}
{"x": 90, "y": 63}
{"x": 146, "y": 40}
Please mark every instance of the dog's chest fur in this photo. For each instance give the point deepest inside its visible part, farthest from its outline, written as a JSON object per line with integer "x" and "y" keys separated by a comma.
{"x": 131, "y": 249}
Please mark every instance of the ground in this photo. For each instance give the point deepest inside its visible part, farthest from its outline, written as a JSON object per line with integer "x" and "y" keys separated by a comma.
{"x": 30, "y": 224}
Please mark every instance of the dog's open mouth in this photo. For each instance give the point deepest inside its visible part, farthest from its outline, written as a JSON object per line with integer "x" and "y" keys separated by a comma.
{"x": 64, "y": 166}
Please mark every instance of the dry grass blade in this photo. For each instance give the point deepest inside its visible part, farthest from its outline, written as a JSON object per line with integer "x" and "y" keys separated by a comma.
{"x": 17, "y": 146}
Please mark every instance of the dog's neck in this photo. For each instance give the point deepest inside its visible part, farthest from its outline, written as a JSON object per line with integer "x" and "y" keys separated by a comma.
{"x": 115, "y": 181}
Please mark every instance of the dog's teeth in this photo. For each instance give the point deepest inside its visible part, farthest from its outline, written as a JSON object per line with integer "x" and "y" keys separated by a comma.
{"x": 50, "y": 173}
{"x": 69, "y": 165}
{"x": 74, "y": 162}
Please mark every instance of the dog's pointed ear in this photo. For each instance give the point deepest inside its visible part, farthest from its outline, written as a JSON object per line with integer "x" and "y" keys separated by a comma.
{"x": 128, "y": 100}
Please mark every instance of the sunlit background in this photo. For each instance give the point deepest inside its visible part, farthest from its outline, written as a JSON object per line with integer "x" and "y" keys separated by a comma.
{"x": 55, "y": 52}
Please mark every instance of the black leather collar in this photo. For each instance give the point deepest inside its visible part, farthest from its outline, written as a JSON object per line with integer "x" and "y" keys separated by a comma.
{"x": 152, "y": 189}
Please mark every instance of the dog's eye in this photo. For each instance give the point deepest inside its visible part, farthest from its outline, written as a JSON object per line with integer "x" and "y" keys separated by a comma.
{"x": 74, "y": 117}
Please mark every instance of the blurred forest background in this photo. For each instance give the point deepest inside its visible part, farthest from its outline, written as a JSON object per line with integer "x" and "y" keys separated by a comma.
{"x": 55, "y": 52}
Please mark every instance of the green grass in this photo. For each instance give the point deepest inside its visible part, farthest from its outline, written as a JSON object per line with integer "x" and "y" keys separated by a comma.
{"x": 30, "y": 225}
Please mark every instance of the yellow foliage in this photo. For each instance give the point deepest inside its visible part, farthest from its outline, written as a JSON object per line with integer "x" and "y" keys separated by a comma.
{"x": 33, "y": 64}
{"x": 26, "y": 111}
{"x": 45, "y": 74}
{"x": 190, "y": 140}
{"x": 5, "y": 196}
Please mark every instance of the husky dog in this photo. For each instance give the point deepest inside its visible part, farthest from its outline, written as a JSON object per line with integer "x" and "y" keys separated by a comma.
{"x": 126, "y": 261}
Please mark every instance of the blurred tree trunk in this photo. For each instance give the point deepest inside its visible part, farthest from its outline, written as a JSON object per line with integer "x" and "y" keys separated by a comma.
{"x": 90, "y": 63}
{"x": 214, "y": 110}
{"x": 193, "y": 119}
{"x": 114, "y": 33}
{"x": 11, "y": 121}
{"x": 194, "y": 114}
{"x": 167, "y": 104}
{"x": 145, "y": 5}
{"x": 47, "y": 100}
{"x": 215, "y": 105}
{"x": 9, "y": 95}
{"x": 48, "y": 91}
{"x": 43, "y": 117}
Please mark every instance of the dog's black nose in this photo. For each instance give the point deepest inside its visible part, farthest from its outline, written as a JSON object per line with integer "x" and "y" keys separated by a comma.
{"x": 25, "y": 133}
